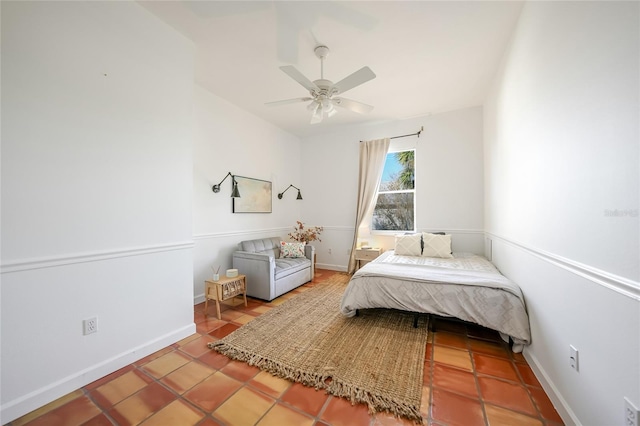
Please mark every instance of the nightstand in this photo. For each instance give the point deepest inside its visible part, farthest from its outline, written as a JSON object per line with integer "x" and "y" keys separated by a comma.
{"x": 223, "y": 289}
{"x": 364, "y": 256}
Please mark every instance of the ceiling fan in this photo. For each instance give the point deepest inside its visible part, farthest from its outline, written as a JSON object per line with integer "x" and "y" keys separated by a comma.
{"x": 324, "y": 92}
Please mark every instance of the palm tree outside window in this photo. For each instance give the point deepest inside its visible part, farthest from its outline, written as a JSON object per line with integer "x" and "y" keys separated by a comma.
{"x": 395, "y": 204}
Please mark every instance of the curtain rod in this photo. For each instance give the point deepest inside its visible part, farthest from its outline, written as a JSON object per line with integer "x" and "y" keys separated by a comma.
{"x": 411, "y": 134}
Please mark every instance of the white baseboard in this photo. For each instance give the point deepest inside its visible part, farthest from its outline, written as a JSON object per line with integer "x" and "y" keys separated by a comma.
{"x": 559, "y": 403}
{"x": 339, "y": 268}
{"x": 11, "y": 410}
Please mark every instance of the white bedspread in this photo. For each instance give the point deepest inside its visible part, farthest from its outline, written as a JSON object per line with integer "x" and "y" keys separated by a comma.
{"x": 467, "y": 286}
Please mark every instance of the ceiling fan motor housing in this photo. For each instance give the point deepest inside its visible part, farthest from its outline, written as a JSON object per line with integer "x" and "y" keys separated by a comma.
{"x": 326, "y": 89}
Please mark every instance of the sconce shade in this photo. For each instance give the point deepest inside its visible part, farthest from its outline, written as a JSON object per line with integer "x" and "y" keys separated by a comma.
{"x": 234, "y": 186}
{"x": 234, "y": 192}
{"x": 299, "y": 197}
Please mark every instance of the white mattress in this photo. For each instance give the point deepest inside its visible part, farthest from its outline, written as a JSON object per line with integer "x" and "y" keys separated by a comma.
{"x": 467, "y": 286}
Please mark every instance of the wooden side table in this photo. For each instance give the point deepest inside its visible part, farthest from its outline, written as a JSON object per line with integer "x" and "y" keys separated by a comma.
{"x": 364, "y": 256}
{"x": 223, "y": 289}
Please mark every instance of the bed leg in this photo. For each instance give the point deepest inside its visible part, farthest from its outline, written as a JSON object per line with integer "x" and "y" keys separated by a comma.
{"x": 357, "y": 312}
{"x": 415, "y": 320}
{"x": 432, "y": 324}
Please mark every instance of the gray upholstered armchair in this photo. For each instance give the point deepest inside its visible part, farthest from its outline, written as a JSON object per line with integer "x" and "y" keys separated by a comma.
{"x": 269, "y": 276}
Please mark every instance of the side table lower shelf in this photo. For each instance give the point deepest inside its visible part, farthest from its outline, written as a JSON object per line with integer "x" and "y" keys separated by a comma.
{"x": 224, "y": 289}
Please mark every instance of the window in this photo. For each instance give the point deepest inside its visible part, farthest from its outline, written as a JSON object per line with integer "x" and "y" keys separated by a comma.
{"x": 395, "y": 205}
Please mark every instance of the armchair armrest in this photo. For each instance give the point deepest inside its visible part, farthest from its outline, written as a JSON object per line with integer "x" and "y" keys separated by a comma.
{"x": 310, "y": 253}
{"x": 260, "y": 272}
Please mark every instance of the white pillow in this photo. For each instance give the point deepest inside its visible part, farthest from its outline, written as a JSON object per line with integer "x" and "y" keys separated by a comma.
{"x": 408, "y": 245}
{"x": 436, "y": 245}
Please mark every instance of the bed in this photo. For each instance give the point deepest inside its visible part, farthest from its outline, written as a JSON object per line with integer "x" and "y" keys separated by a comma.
{"x": 464, "y": 286}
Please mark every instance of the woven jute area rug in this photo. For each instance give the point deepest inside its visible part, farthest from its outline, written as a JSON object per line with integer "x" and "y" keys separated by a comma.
{"x": 376, "y": 358}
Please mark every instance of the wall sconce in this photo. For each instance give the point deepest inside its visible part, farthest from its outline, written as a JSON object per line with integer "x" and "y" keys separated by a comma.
{"x": 299, "y": 197}
{"x": 234, "y": 190}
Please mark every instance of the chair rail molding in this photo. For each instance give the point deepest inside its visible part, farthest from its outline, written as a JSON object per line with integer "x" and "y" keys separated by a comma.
{"x": 448, "y": 230}
{"x": 622, "y": 285}
{"x": 96, "y": 256}
{"x": 454, "y": 231}
{"x": 270, "y": 231}
{"x": 212, "y": 235}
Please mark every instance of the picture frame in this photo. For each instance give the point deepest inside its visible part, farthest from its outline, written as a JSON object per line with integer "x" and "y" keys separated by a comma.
{"x": 255, "y": 195}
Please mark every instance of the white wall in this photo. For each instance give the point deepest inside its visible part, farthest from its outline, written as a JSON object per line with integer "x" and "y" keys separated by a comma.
{"x": 96, "y": 193}
{"x": 228, "y": 139}
{"x": 561, "y": 154}
{"x": 449, "y": 181}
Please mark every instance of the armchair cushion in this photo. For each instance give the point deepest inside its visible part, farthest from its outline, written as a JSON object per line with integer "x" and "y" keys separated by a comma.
{"x": 269, "y": 246}
{"x": 290, "y": 265}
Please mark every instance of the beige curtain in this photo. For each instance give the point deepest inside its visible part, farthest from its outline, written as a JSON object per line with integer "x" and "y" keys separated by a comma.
{"x": 372, "y": 157}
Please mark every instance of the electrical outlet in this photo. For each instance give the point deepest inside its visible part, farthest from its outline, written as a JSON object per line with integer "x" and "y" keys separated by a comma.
{"x": 90, "y": 326}
{"x": 329, "y": 250}
{"x": 573, "y": 357}
{"x": 631, "y": 413}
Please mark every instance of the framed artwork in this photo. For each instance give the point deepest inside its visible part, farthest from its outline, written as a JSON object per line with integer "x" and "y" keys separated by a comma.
{"x": 255, "y": 196}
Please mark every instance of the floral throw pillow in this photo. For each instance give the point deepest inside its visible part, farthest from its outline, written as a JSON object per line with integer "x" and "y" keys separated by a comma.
{"x": 291, "y": 249}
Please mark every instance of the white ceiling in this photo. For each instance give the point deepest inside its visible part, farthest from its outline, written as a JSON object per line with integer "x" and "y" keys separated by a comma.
{"x": 429, "y": 56}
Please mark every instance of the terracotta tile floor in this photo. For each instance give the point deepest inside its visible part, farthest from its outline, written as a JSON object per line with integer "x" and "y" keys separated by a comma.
{"x": 471, "y": 378}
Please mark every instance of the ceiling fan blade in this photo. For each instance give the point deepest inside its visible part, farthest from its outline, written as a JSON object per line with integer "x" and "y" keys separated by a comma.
{"x": 292, "y": 72}
{"x": 354, "y": 106}
{"x": 288, "y": 101}
{"x": 359, "y": 77}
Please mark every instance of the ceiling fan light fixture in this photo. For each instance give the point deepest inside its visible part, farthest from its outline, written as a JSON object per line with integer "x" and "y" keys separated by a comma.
{"x": 316, "y": 116}
{"x": 328, "y": 108}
